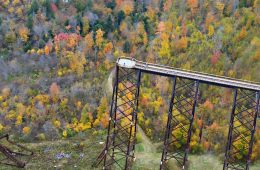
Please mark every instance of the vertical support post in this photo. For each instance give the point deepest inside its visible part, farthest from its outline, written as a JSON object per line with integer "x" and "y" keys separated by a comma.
{"x": 137, "y": 105}
{"x": 132, "y": 137}
{"x": 121, "y": 136}
{"x": 168, "y": 127}
{"x": 180, "y": 120}
{"x": 231, "y": 122}
{"x": 191, "y": 123}
{"x": 111, "y": 114}
{"x": 242, "y": 128}
{"x": 253, "y": 131}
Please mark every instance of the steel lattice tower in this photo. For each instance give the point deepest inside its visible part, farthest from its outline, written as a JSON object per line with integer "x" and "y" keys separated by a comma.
{"x": 121, "y": 136}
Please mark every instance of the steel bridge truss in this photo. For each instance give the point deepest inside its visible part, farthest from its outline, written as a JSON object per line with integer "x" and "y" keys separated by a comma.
{"x": 241, "y": 129}
{"x": 121, "y": 139}
{"x": 180, "y": 120}
{"x": 120, "y": 144}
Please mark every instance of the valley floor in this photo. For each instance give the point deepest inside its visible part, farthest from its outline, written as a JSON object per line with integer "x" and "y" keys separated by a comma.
{"x": 80, "y": 152}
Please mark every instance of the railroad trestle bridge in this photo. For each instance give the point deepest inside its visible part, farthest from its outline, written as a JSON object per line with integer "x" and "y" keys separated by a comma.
{"x": 121, "y": 135}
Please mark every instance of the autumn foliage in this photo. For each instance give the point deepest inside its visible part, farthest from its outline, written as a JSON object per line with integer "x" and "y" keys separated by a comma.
{"x": 56, "y": 57}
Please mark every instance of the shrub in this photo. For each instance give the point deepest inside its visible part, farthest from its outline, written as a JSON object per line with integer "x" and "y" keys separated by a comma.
{"x": 26, "y": 130}
{"x": 196, "y": 147}
{"x": 139, "y": 138}
{"x": 41, "y": 136}
{"x": 10, "y": 37}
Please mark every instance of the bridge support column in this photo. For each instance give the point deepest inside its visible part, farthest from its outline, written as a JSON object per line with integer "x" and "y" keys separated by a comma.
{"x": 121, "y": 138}
{"x": 241, "y": 129}
{"x": 180, "y": 120}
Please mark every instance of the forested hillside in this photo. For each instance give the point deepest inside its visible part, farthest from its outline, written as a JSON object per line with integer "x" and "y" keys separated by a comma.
{"x": 56, "y": 57}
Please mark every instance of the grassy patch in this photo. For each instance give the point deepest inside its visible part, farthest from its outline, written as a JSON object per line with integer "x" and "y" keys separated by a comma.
{"x": 209, "y": 161}
{"x": 63, "y": 154}
{"x": 139, "y": 147}
{"x": 79, "y": 153}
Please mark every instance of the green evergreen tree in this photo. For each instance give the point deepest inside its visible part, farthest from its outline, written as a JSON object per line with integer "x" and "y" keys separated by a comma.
{"x": 49, "y": 12}
{"x": 29, "y": 23}
{"x": 34, "y": 7}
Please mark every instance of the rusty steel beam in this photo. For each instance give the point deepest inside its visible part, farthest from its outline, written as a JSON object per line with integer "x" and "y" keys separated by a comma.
{"x": 121, "y": 135}
{"x": 241, "y": 130}
{"x": 180, "y": 120}
{"x": 121, "y": 138}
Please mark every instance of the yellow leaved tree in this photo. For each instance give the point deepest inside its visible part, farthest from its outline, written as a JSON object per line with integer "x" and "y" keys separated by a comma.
{"x": 99, "y": 37}
{"x": 24, "y": 33}
{"x": 102, "y": 113}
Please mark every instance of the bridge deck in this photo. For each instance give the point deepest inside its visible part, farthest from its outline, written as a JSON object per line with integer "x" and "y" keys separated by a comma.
{"x": 202, "y": 77}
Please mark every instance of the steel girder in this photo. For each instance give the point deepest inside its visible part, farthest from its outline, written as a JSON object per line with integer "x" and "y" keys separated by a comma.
{"x": 121, "y": 139}
{"x": 180, "y": 120}
{"x": 120, "y": 144}
{"x": 241, "y": 129}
